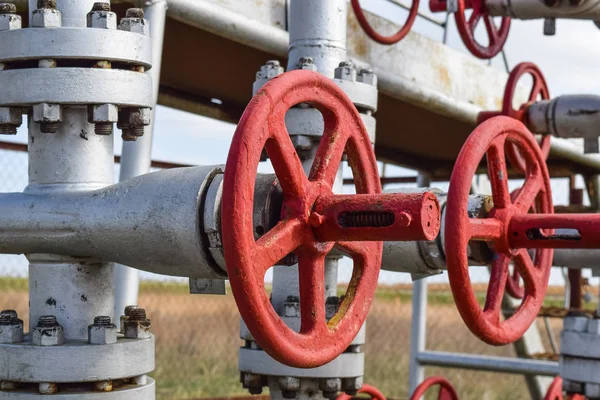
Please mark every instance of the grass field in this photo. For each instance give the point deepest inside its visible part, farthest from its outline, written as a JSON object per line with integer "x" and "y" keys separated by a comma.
{"x": 197, "y": 338}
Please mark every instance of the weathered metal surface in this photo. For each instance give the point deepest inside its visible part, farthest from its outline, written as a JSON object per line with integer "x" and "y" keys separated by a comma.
{"x": 399, "y": 217}
{"x": 539, "y": 91}
{"x": 446, "y": 390}
{"x": 76, "y": 361}
{"x": 534, "y": 9}
{"x": 263, "y": 125}
{"x": 489, "y": 139}
{"x": 124, "y": 392}
{"x": 369, "y": 390}
{"x": 581, "y": 231}
{"x": 372, "y": 33}
{"x": 496, "y": 36}
{"x": 247, "y": 260}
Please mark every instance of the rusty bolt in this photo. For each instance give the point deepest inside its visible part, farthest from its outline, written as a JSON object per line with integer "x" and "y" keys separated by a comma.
{"x": 253, "y": 382}
{"x": 48, "y": 332}
{"x": 9, "y": 20}
{"x": 101, "y": 17}
{"x": 134, "y": 22}
{"x": 132, "y": 122}
{"x": 330, "y": 387}
{"x": 7, "y": 385}
{"x": 49, "y": 116}
{"x": 367, "y": 76}
{"x": 46, "y": 15}
{"x": 10, "y": 119}
{"x": 11, "y": 327}
{"x": 289, "y": 386}
{"x": 137, "y": 325}
{"x": 103, "y": 116}
{"x": 125, "y": 316}
{"x": 103, "y": 386}
{"x": 47, "y": 388}
{"x": 352, "y": 385}
{"x": 102, "y": 331}
{"x": 345, "y": 71}
{"x": 306, "y": 63}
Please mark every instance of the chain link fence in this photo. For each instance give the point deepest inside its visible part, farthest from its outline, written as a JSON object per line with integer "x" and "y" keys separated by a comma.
{"x": 197, "y": 337}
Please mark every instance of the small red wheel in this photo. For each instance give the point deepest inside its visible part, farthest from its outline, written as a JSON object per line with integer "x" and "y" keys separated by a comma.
{"x": 466, "y": 28}
{"x": 489, "y": 140}
{"x": 263, "y": 126}
{"x": 362, "y": 20}
{"x": 366, "y": 389}
{"x": 555, "y": 391}
{"x": 538, "y": 90}
{"x": 446, "y": 392}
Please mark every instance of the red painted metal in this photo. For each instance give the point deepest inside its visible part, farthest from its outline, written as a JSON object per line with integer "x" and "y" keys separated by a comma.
{"x": 534, "y": 231}
{"x": 366, "y": 389}
{"x": 555, "y": 391}
{"x": 539, "y": 90}
{"x": 446, "y": 392}
{"x": 377, "y": 217}
{"x": 362, "y": 20}
{"x": 263, "y": 126}
{"x": 466, "y": 27}
{"x": 489, "y": 140}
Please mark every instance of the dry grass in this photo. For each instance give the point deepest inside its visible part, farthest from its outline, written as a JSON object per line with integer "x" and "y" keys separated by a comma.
{"x": 197, "y": 338}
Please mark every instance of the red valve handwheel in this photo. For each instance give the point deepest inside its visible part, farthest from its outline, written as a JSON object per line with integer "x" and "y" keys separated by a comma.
{"x": 366, "y": 389}
{"x": 446, "y": 392}
{"x": 555, "y": 391}
{"x": 489, "y": 140}
{"x": 466, "y": 28}
{"x": 263, "y": 126}
{"x": 362, "y": 20}
{"x": 539, "y": 89}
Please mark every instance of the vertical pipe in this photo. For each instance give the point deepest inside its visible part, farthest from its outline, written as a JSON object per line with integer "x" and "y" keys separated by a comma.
{"x": 418, "y": 328}
{"x": 318, "y": 30}
{"x": 73, "y": 11}
{"x": 137, "y": 156}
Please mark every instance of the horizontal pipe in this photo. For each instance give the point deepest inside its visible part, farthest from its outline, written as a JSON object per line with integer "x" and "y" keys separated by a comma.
{"x": 488, "y": 363}
{"x": 535, "y": 9}
{"x": 574, "y": 231}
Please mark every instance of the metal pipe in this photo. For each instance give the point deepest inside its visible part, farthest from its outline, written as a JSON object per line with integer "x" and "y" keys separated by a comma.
{"x": 489, "y": 363}
{"x": 418, "y": 334}
{"x": 137, "y": 156}
{"x": 575, "y": 285}
{"x": 534, "y": 9}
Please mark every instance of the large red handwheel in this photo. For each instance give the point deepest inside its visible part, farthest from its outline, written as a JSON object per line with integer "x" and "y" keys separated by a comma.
{"x": 489, "y": 140}
{"x": 466, "y": 28}
{"x": 312, "y": 220}
{"x": 362, "y": 20}
{"x": 446, "y": 392}
{"x": 539, "y": 90}
{"x": 372, "y": 391}
{"x": 555, "y": 391}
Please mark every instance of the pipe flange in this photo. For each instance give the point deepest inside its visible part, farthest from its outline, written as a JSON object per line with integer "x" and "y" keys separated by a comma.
{"x": 76, "y": 361}
{"x": 346, "y": 365}
{"x": 363, "y": 95}
{"x": 126, "y": 392}
{"x": 76, "y": 44}
{"x": 26, "y": 87}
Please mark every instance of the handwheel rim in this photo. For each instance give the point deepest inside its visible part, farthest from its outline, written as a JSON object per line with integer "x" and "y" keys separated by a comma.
{"x": 447, "y": 391}
{"x": 373, "y": 34}
{"x": 466, "y": 29}
{"x": 539, "y": 88}
{"x": 315, "y": 345}
{"x": 486, "y": 323}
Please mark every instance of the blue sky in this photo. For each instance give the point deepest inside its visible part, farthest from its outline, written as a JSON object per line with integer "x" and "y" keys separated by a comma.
{"x": 568, "y": 60}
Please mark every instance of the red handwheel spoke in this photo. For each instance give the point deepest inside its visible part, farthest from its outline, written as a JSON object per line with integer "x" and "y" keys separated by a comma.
{"x": 287, "y": 165}
{"x": 486, "y": 229}
{"x": 491, "y": 28}
{"x": 329, "y": 154}
{"x": 277, "y": 243}
{"x": 498, "y": 173}
{"x": 531, "y": 275}
{"x": 474, "y": 20}
{"x": 528, "y": 193}
{"x": 495, "y": 292}
{"x": 311, "y": 275}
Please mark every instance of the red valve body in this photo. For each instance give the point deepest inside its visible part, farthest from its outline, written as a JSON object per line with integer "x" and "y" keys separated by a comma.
{"x": 404, "y": 217}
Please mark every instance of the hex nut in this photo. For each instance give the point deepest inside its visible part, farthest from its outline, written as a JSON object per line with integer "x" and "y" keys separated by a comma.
{"x": 11, "y": 116}
{"x": 46, "y": 18}
{"x": 306, "y": 63}
{"x": 330, "y": 387}
{"x": 135, "y": 25}
{"x": 345, "y": 71}
{"x": 102, "y": 334}
{"x": 137, "y": 326}
{"x": 352, "y": 385}
{"x": 47, "y": 113}
{"x": 103, "y": 113}
{"x": 102, "y": 20}
{"x": 270, "y": 70}
{"x": 48, "y": 336}
{"x": 367, "y": 76}
{"x": 11, "y": 327}
{"x": 253, "y": 382}
{"x": 10, "y": 22}
{"x": 291, "y": 307}
{"x": 140, "y": 117}
{"x": 289, "y": 386}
